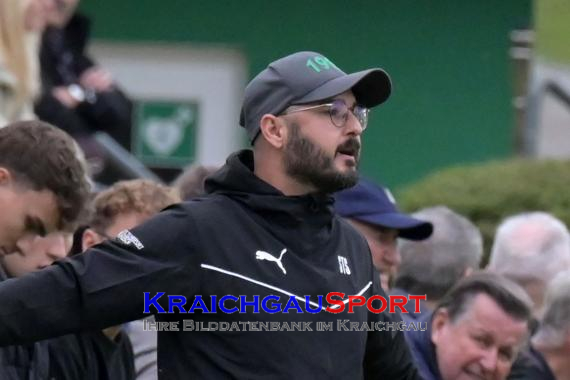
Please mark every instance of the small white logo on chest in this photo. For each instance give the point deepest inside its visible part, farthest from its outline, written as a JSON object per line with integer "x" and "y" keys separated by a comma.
{"x": 262, "y": 255}
{"x": 343, "y": 265}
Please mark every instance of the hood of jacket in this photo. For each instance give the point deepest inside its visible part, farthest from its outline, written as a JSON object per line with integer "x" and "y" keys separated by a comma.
{"x": 307, "y": 217}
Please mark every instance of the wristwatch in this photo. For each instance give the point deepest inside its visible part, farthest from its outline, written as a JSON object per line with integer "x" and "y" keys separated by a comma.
{"x": 76, "y": 92}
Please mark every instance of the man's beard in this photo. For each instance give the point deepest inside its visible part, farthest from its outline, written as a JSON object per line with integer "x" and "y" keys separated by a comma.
{"x": 309, "y": 164}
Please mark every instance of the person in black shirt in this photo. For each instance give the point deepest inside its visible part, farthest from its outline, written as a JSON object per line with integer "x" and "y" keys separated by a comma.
{"x": 265, "y": 230}
{"x": 78, "y": 95}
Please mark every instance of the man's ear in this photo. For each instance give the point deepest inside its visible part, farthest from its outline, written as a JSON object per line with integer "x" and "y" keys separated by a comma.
{"x": 89, "y": 239}
{"x": 439, "y": 321}
{"x": 5, "y": 176}
{"x": 274, "y": 130}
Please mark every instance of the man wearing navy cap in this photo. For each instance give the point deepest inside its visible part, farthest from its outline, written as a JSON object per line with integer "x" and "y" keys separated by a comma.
{"x": 373, "y": 211}
{"x": 265, "y": 230}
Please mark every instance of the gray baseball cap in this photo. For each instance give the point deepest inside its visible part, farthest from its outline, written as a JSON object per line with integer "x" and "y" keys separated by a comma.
{"x": 307, "y": 77}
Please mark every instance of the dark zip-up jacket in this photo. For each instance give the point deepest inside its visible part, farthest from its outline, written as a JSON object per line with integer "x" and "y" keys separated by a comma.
{"x": 26, "y": 361}
{"x": 245, "y": 238}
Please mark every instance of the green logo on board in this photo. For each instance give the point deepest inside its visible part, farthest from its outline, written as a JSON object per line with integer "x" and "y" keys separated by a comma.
{"x": 165, "y": 133}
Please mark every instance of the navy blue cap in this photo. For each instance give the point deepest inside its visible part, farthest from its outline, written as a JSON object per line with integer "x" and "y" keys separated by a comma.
{"x": 372, "y": 204}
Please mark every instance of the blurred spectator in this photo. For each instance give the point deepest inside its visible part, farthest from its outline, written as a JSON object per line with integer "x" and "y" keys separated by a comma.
{"x": 35, "y": 252}
{"x": 475, "y": 332}
{"x": 78, "y": 95}
{"x": 530, "y": 249}
{"x": 547, "y": 356}
{"x": 32, "y": 253}
{"x": 21, "y": 23}
{"x": 43, "y": 189}
{"x": 373, "y": 211}
{"x": 435, "y": 265}
{"x": 108, "y": 354}
{"x": 190, "y": 182}
{"x": 43, "y": 184}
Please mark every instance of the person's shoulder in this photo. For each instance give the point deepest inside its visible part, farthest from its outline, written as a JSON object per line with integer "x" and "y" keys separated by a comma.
{"x": 207, "y": 206}
{"x": 347, "y": 229}
{"x": 79, "y": 22}
{"x": 530, "y": 365}
{"x": 344, "y": 225}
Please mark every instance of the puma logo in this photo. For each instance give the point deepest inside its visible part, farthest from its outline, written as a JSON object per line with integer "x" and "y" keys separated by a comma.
{"x": 262, "y": 255}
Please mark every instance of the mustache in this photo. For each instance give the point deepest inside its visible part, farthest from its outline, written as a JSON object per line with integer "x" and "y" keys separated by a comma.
{"x": 351, "y": 145}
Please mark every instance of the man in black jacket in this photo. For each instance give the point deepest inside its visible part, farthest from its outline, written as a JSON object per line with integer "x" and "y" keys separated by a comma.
{"x": 234, "y": 276}
{"x": 78, "y": 95}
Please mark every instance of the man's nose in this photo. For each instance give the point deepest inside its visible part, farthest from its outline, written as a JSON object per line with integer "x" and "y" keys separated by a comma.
{"x": 353, "y": 126}
{"x": 489, "y": 360}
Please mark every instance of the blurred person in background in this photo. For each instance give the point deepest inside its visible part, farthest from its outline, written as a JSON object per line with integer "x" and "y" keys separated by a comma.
{"x": 547, "y": 357}
{"x": 78, "y": 95}
{"x": 475, "y": 332}
{"x": 43, "y": 193}
{"x": 373, "y": 211}
{"x": 32, "y": 253}
{"x": 190, "y": 183}
{"x": 433, "y": 266}
{"x": 108, "y": 353}
{"x": 21, "y": 24}
{"x": 530, "y": 249}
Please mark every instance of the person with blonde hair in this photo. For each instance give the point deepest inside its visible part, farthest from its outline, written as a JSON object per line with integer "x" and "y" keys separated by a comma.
{"x": 21, "y": 23}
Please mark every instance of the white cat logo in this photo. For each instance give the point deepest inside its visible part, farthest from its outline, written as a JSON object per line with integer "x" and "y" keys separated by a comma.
{"x": 128, "y": 238}
{"x": 262, "y": 255}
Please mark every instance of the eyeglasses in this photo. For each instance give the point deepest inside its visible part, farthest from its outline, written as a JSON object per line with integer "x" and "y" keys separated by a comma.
{"x": 339, "y": 111}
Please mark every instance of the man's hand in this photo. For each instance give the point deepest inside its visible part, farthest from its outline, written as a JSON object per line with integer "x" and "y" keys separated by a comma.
{"x": 62, "y": 94}
{"x": 96, "y": 78}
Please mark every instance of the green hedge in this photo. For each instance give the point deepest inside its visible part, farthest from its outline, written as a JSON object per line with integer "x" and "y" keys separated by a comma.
{"x": 489, "y": 192}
